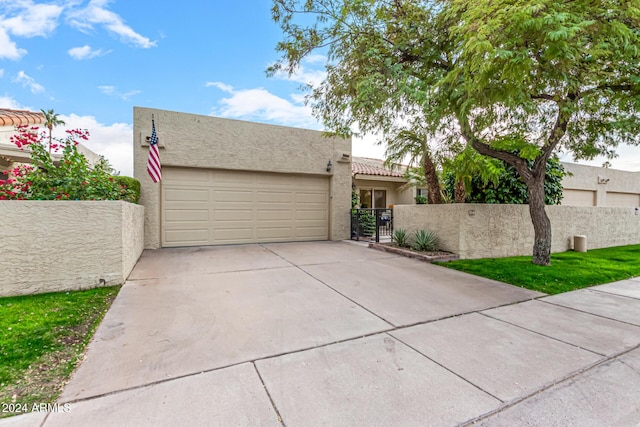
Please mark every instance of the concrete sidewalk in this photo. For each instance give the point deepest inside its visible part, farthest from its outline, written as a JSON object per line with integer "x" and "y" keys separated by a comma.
{"x": 332, "y": 333}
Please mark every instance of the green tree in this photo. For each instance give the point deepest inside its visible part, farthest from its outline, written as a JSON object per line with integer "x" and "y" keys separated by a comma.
{"x": 507, "y": 76}
{"x": 465, "y": 168}
{"x": 504, "y": 186}
{"x": 412, "y": 147}
{"x": 51, "y": 120}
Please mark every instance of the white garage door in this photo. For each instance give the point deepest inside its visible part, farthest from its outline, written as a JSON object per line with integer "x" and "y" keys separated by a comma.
{"x": 212, "y": 207}
{"x": 622, "y": 199}
{"x": 578, "y": 198}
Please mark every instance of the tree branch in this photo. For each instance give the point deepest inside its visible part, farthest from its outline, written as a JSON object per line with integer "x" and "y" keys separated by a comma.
{"x": 517, "y": 162}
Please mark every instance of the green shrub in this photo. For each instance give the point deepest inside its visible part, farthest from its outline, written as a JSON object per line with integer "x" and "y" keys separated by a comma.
{"x": 401, "y": 238}
{"x": 131, "y": 184}
{"x": 421, "y": 200}
{"x": 425, "y": 241}
{"x": 367, "y": 223}
{"x": 68, "y": 178}
{"x": 509, "y": 187}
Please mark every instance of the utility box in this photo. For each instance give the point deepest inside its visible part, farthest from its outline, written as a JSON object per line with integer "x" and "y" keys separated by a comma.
{"x": 580, "y": 243}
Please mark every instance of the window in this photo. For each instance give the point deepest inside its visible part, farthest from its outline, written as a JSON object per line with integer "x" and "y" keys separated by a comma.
{"x": 421, "y": 192}
{"x": 373, "y": 199}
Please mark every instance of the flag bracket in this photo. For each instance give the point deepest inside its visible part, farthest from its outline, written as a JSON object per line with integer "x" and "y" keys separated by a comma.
{"x": 146, "y": 140}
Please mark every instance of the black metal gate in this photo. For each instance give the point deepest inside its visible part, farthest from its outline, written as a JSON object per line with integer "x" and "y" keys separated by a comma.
{"x": 371, "y": 224}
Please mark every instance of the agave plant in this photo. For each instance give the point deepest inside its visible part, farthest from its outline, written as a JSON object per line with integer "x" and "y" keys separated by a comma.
{"x": 425, "y": 241}
{"x": 401, "y": 238}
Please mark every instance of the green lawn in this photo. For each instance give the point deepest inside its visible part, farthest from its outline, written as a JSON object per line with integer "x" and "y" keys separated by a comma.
{"x": 41, "y": 339}
{"x": 568, "y": 270}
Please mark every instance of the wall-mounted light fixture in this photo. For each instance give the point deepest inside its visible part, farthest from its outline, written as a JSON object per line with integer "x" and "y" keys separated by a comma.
{"x": 329, "y": 165}
{"x": 602, "y": 180}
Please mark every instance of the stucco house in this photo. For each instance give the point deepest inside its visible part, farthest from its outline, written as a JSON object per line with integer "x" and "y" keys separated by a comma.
{"x": 10, "y": 154}
{"x": 230, "y": 181}
{"x": 583, "y": 186}
{"x": 380, "y": 187}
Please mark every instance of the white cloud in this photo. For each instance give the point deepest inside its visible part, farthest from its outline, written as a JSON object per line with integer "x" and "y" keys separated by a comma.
{"x": 315, "y": 58}
{"x": 222, "y": 86}
{"x": 28, "y": 81}
{"x": 33, "y": 19}
{"x": 24, "y": 18}
{"x": 11, "y": 104}
{"x": 8, "y": 48}
{"x": 304, "y": 75}
{"x": 114, "y": 141}
{"x": 113, "y": 91}
{"x": 1, "y": 73}
{"x": 85, "y": 52}
{"x": 260, "y": 104}
{"x": 96, "y": 13}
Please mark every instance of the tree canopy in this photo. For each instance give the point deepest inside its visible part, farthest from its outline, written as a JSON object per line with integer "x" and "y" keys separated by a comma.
{"x": 514, "y": 79}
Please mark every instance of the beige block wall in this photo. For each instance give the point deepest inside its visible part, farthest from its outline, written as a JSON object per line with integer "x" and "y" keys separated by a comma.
{"x": 50, "y": 246}
{"x": 607, "y": 184}
{"x": 486, "y": 231}
{"x": 188, "y": 140}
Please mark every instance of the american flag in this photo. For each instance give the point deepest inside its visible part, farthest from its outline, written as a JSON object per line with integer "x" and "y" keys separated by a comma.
{"x": 153, "y": 164}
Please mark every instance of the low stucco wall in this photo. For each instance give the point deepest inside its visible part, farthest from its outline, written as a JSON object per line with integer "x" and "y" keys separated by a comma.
{"x": 488, "y": 231}
{"x": 50, "y": 246}
{"x": 189, "y": 140}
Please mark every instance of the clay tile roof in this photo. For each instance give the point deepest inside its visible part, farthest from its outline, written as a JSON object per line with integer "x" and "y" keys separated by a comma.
{"x": 19, "y": 117}
{"x": 358, "y": 168}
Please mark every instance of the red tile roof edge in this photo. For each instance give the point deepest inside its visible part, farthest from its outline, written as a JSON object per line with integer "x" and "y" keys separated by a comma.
{"x": 20, "y": 117}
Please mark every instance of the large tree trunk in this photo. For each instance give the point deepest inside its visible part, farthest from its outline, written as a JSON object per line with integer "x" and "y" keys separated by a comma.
{"x": 541, "y": 222}
{"x": 434, "y": 197}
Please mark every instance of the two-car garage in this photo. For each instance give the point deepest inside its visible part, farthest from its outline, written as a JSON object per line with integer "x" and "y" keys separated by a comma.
{"x": 213, "y": 206}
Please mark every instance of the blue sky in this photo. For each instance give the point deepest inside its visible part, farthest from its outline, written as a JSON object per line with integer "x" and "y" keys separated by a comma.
{"x": 92, "y": 61}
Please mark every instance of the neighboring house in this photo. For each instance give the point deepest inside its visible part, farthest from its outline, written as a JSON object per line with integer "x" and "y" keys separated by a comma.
{"x": 10, "y": 154}
{"x": 378, "y": 186}
{"x": 597, "y": 186}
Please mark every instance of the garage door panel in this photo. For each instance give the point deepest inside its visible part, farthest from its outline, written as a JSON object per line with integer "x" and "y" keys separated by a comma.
{"x": 317, "y": 198}
{"x": 312, "y": 215}
{"x": 186, "y": 195}
{"x": 208, "y": 207}
{"x": 231, "y": 235}
{"x": 269, "y": 232}
{"x": 233, "y": 196}
{"x": 266, "y": 215}
{"x": 189, "y": 215}
{"x": 232, "y": 178}
{"x": 311, "y": 232}
{"x": 233, "y": 215}
{"x": 187, "y": 237}
{"x": 273, "y": 197}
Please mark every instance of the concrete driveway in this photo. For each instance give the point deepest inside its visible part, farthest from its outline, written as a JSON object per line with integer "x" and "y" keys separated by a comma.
{"x": 336, "y": 334}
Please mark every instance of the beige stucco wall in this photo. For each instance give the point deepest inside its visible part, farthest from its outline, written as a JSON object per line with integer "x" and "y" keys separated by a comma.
{"x": 603, "y": 182}
{"x": 484, "y": 231}
{"x": 189, "y": 140}
{"x": 50, "y": 246}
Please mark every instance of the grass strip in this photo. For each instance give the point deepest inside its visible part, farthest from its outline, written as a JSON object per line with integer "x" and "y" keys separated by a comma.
{"x": 568, "y": 271}
{"x": 42, "y": 338}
